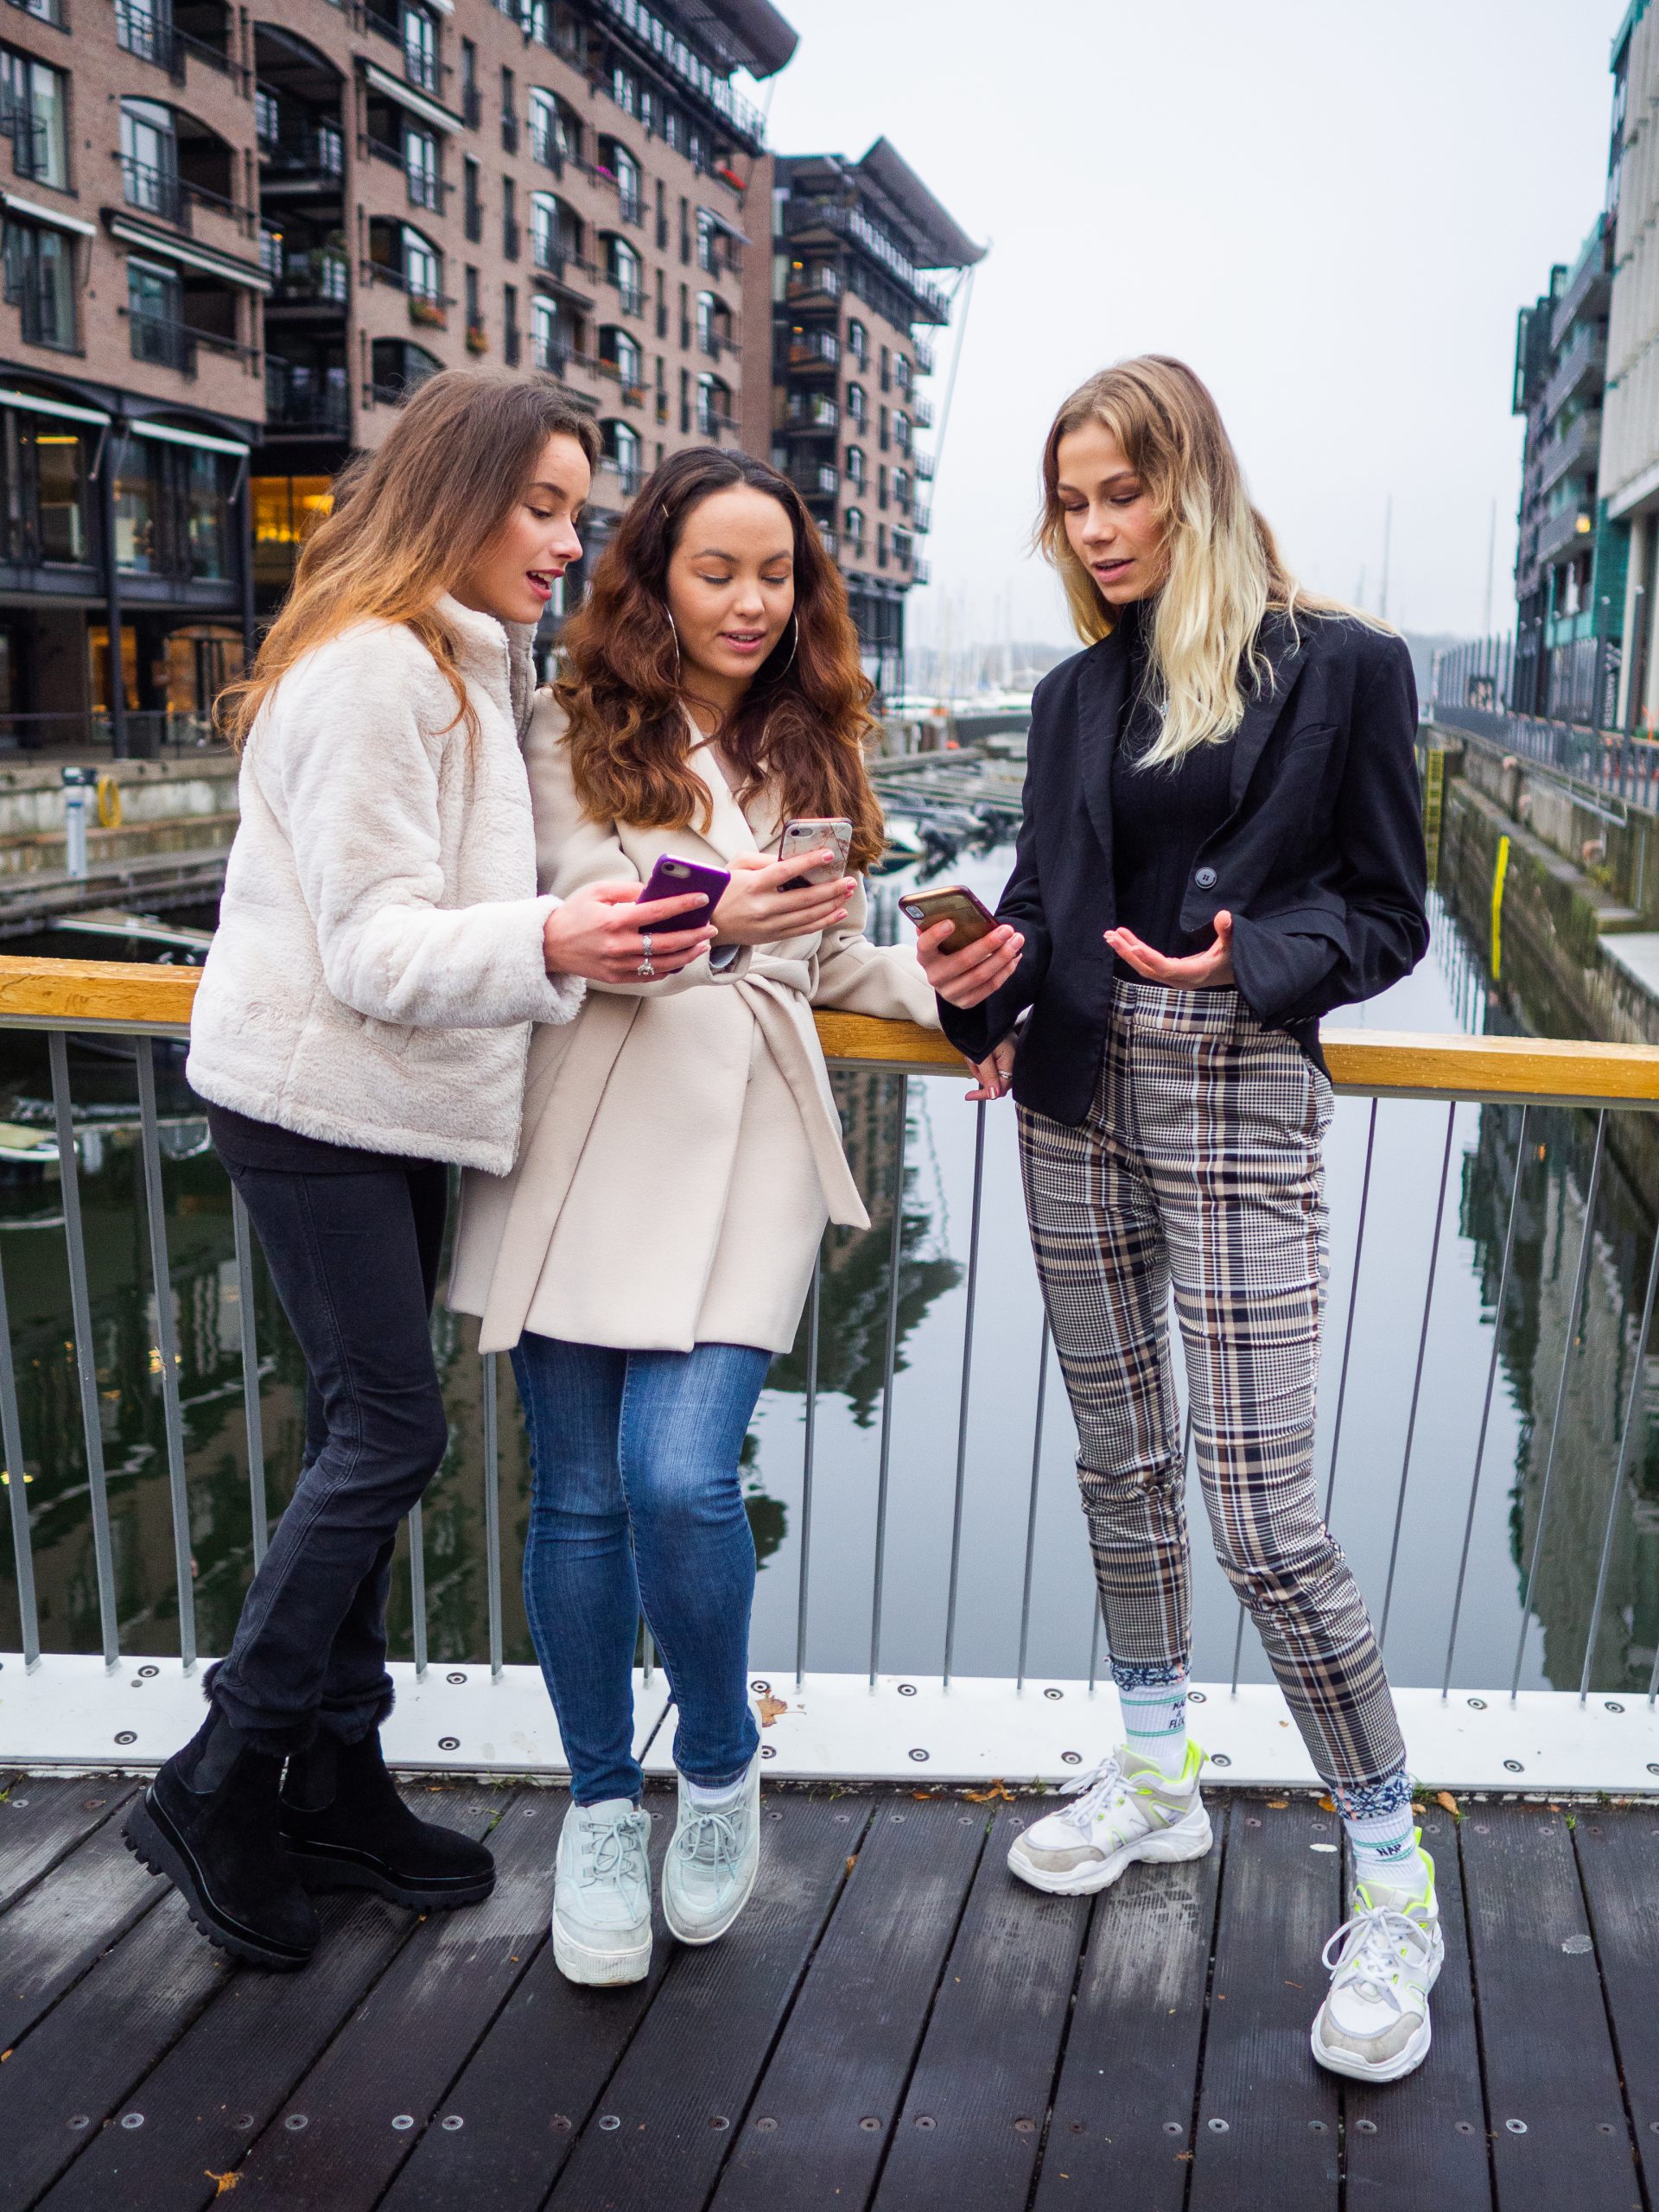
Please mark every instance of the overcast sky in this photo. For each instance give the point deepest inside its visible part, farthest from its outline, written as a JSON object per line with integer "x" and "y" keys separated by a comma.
{"x": 1333, "y": 210}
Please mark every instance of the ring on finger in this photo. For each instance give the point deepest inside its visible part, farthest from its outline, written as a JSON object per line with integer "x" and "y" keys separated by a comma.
{"x": 644, "y": 944}
{"x": 644, "y": 967}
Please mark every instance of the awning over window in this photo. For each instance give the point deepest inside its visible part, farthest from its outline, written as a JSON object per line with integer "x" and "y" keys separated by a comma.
{"x": 429, "y": 111}
{"x": 28, "y": 404}
{"x": 16, "y": 204}
{"x": 195, "y": 439}
{"x": 244, "y": 273}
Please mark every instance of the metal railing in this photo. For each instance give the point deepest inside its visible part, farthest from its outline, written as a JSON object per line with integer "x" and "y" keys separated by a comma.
{"x": 1608, "y": 1092}
{"x": 1617, "y": 762}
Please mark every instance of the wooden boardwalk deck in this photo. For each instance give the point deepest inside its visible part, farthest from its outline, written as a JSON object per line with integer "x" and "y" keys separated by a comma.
{"x": 894, "y": 2023}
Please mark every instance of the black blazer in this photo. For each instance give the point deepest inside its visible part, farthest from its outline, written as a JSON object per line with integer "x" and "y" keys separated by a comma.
{"x": 1320, "y": 862}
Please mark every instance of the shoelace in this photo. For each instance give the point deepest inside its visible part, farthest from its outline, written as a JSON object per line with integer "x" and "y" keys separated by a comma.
{"x": 1094, "y": 1789}
{"x": 1373, "y": 1951}
{"x": 616, "y": 1852}
{"x": 710, "y": 1839}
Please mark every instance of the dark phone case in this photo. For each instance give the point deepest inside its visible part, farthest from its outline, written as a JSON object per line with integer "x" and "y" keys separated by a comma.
{"x": 687, "y": 876}
{"x": 956, "y": 942}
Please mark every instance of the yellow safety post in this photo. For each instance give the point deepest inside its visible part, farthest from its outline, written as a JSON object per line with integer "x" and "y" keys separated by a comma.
{"x": 1501, "y": 868}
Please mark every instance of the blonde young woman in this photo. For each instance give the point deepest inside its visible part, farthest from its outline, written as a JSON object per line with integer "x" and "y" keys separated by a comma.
{"x": 682, "y": 1152}
{"x": 1222, "y": 843}
{"x": 362, "y": 1022}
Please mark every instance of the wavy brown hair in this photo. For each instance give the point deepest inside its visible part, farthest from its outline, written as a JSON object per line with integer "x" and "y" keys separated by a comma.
{"x": 803, "y": 722}
{"x": 420, "y": 512}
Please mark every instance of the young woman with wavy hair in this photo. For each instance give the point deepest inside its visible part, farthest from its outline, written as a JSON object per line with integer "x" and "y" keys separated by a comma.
{"x": 1222, "y": 841}
{"x": 362, "y": 1023}
{"x": 653, "y": 1246}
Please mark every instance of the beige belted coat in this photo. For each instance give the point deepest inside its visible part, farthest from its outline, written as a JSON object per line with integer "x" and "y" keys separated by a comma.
{"x": 681, "y": 1149}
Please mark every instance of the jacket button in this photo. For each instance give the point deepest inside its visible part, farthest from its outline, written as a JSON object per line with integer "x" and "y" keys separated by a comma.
{"x": 1206, "y": 878}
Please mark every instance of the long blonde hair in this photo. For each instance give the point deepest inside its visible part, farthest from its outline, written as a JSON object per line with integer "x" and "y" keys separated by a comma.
{"x": 421, "y": 511}
{"x": 1224, "y": 573}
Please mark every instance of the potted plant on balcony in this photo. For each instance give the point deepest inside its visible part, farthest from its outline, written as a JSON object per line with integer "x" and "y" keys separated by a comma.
{"x": 478, "y": 339}
{"x": 427, "y": 311}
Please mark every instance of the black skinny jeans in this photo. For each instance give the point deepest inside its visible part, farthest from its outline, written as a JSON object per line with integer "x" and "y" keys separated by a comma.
{"x": 354, "y": 1257}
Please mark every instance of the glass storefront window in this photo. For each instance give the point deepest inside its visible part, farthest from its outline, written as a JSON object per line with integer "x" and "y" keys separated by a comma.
{"x": 60, "y": 491}
{"x": 204, "y": 533}
{"x": 135, "y": 510}
{"x": 286, "y": 509}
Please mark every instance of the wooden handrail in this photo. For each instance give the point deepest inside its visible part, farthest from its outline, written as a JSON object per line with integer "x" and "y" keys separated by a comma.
{"x": 1374, "y": 1063}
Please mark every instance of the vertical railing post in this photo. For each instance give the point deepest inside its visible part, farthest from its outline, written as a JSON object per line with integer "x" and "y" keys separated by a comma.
{"x": 967, "y": 1381}
{"x": 890, "y": 1353}
{"x": 1633, "y": 1397}
{"x": 167, "y": 1348}
{"x": 81, "y": 1310}
{"x": 493, "y": 1506}
{"x": 1417, "y": 1378}
{"x": 809, "y": 1455}
{"x": 1031, "y": 1508}
{"x": 252, "y": 1415}
{"x": 418, "y": 1587}
{"x": 1353, "y": 1301}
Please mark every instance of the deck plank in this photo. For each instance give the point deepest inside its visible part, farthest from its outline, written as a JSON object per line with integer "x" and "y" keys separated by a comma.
{"x": 531, "y": 2086}
{"x": 1618, "y": 1855}
{"x": 1267, "y": 2115}
{"x": 823, "y": 2115}
{"x": 1420, "y": 2144}
{"x": 64, "y": 1924}
{"x": 42, "y": 1819}
{"x": 1549, "y": 2060}
{"x": 972, "y": 2122}
{"x": 1120, "y": 2131}
{"x": 689, "y": 2072}
{"x": 82, "y": 2061}
{"x": 397, "y": 2054}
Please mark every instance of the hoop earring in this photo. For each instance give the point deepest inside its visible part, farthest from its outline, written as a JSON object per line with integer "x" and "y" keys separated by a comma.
{"x": 794, "y": 647}
{"x": 675, "y": 634}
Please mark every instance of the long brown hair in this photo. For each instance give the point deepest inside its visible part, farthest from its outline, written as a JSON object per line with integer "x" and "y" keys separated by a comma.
{"x": 804, "y": 721}
{"x": 422, "y": 509}
{"x": 1224, "y": 573}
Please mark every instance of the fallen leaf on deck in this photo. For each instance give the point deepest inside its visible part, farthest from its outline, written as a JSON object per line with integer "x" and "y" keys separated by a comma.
{"x": 225, "y": 2181}
{"x": 1327, "y": 1805}
{"x": 1447, "y": 1803}
{"x": 997, "y": 1791}
{"x": 1278, "y": 1804}
{"x": 770, "y": 1707}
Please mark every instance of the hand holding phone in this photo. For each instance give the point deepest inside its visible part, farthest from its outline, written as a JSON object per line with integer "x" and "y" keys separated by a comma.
{"x": 965, "y": 952}
{"x": 805, "y": 834}
{"x": 674, "y": 878}
{"x": 969, "y": 917}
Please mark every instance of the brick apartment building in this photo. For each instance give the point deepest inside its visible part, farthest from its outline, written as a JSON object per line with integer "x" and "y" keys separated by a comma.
{"x": 235, "y": 240}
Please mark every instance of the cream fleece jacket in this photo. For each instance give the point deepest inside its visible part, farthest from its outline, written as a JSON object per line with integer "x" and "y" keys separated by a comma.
{"x": 379, "y": 959}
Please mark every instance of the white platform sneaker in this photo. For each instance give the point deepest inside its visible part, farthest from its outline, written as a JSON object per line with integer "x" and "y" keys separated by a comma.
{"x": 1126, "y": 1808}
{"x": 601, "y": 1895}
{"x": 1374, "y": 2024}
{"x": 713, "y": 1860}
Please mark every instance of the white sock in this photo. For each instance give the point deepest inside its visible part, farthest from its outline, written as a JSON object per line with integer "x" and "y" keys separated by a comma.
{"x": 705, "y": 1799}
{"x": 1155, "y": 1722}
{"x": 1383, "y": 1841}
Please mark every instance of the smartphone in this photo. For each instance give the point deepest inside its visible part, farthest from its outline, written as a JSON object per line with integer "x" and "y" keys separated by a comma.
{"x": 814, "y": 836}
{"x": 674, "y": 878}
{"x": 952, "y": 902}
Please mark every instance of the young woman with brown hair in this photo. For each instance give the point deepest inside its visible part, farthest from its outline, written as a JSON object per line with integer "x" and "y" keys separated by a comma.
{"x": 362, "y": 1022}
{"x": 682, "y": 1152}
{"x": 1222, "y": 841}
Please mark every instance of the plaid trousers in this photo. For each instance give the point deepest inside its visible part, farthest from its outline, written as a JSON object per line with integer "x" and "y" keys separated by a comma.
{"x": 1199, "y": 1168}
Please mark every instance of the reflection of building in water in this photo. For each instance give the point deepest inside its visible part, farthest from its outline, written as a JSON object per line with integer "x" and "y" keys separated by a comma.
{"x": 852, "y": 1335}
{"x": 1541, "y": 1328}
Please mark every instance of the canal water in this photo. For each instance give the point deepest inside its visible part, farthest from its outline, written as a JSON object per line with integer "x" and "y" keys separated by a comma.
{"x": 1434, "y": 1478}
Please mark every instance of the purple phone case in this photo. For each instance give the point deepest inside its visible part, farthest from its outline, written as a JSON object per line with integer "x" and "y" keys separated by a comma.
{"x": 686, "y": 876}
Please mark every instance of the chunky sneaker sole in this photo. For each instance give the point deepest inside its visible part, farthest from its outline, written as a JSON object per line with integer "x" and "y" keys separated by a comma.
{"x": 599, "y": 1969}
{"x": 1191, "y": 1837}
{"x": 1395, "y": 1949}
{"x": 157, "y": 1844}
{"x": 708, "y": 1928}
{"x": 740, "y": 1898}
{"x": 1355, "y": 2068}
{"x": 322, "y": 1866}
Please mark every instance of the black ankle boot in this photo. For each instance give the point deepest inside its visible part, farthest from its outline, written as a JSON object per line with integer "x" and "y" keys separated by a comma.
{"x": 208, "y": 1822}
{"x": 347, "y": 1828}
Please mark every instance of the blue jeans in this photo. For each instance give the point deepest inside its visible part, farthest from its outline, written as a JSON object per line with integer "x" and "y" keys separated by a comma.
{"x": 636, "y": 1501}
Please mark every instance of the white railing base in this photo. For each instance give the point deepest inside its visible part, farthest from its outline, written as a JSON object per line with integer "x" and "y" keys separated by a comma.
{"x": 72, "y": 1713}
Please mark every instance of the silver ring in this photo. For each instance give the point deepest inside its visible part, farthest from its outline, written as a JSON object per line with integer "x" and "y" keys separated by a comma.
{"x": 645, "y": 968}
{"x": 645, "y": 944}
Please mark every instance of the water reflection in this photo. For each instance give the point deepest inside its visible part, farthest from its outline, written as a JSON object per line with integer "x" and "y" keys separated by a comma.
{"x": 1382, "y": 1508}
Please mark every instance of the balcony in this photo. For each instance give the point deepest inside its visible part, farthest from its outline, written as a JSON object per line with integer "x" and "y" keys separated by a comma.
{"x": 1583, "y": 368}
{"x": 139, "y": 32}
{"x": 919, "y": 571}
{"x": 303, "y": 153}
{"x": 1564, "y": 533}
{"x": 815, "y": 480}
{"x": 921, "y": 517}
{"x": 1589, "y": 288}
{"x": 923, "y": 349}
{"x": 1575, "y": 452}
{"x": 819, "y": 285}
{"x": 803, "y": 218}
{"x": 814, "y": 349}
{"x": 164, "y": 342}
{"x": 173, "y": 199}
{"x": 811, "y": 412}
{"x": 306, "y": 410}
{"x": 321, "y": 277}
{"x": 923, "y": 465}
{"x": 921, "y": 410}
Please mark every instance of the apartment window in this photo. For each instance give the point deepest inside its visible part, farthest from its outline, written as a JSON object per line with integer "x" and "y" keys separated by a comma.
{"x": 420, "y": 49}
{"x": 509, "y": 113}
{"x": 629, "y": 199}
{"x": 546, "y": 138}
{"x": 423, "y": 268}
{"x": 547, "y": 245}
{"x": 150, "y": 159}
{"x": 153, "y": 311}
{"x": 420, "y": 167}
{"x": 622, "y": 266}
{"x": 471, "y": 106}
{"x": 901, "y": 431}
{"x": 622, "y": 450}
{"x": 685, "y": 403}
{"x": 662, "y": 217}
{"x": 509, "y": 220}
{"x": 685, "y": 317}
{"x": 858, "y": 343}
{"x": 206, "y": 541}
{"x": 707, "y": 329}
{"x": 538, "y": 21}
{"x": 901, "y": 487}
{"x": 471, "y": 205}
{"x": 881, "y": 545}
{"x": 881, "y": 486}
{"x": 142, "y": 28}
{"x": 857, "y": 405}
{"x": 397, "y": 366}
{"x": 901, "y": 372}
{"x": 881, "y": 416}
{"x": 673, "y": 129}
{"x": 886, "y": 370}
{"x": 855, "y": 524}
{"x": 856, "y": 466}
{"x": 625, "y": 89}
{"x": 39, "y": 279}
{"x": 32, "y": 114}
{"x": 620, "y": 349}
{"x": 474, "y": 312}
{"x": 549, "y": 337}
{"x": 707, "y": 253}
{"x": 714, "y": 406}
{"x": 510, "y": 325}
{"x": 697, "y": 150}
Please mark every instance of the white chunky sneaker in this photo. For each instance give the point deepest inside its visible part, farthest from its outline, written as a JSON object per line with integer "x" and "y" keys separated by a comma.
{"x": 602, "y": 1894}
{"x": 1374, "y": 2024}
{"x": 712, "y": 1862}
{"x": 1127, "y": 1809}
